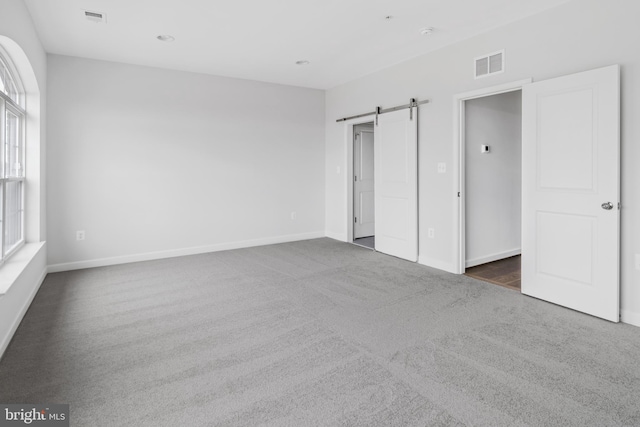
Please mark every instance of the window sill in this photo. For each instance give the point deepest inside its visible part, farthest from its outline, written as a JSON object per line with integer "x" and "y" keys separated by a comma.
{"x": 15, "y": 266}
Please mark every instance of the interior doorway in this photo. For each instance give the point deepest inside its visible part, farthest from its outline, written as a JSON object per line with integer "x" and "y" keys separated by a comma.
{"x": 491, "y": 146}
{"x": 570, "y": 235}
{"x": 363, "y": 185}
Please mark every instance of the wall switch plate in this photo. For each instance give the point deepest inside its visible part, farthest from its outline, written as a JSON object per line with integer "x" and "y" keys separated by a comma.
{"x": 431, "y": 233}
{"x": 338, "y": 170}
{"x": 484, "y": 148}
{"x": 442, "y": 167}
{"x": 637, "y": 261}
{"x": 80, "y": 235}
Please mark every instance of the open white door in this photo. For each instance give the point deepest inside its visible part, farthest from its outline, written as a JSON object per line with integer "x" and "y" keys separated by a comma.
{"x": 571, "y": 188}
{"x": 396, "y": 184}
{"x": 363, "y": 185}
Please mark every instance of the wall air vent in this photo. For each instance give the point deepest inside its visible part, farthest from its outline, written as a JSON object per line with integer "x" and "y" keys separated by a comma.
{"x": 487, "y": 65}
{"x": 95, "y": 16}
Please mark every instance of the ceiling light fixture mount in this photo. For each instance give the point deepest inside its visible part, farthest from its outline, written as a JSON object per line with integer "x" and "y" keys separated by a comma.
{"x": 165, "y": 38}
{"x": 426, "y": 31}
{"x": 303, "y": 62}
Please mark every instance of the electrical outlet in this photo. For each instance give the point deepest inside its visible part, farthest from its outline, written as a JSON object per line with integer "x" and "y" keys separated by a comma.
{"x": 442, "y": 167}
{"x": 294, "y": 215}
{"x": 431, "y": 233}
{"x": 80, "y": 235}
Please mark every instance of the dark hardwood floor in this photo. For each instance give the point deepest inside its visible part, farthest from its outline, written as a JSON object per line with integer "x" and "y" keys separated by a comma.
{"x": 505, "y": 272}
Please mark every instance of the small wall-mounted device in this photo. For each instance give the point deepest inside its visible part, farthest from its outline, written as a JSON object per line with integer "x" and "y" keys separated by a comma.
{"x": 484, "y": 148}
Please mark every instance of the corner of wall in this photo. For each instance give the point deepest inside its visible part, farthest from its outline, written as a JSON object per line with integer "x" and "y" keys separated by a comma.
{"x": 630, "y": 317}
{"x": 440, "y": 265}
{"x": 336, "y": 236}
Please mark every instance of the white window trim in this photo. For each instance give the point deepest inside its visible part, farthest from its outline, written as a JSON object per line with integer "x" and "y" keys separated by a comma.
{"x": 18, "y": 109}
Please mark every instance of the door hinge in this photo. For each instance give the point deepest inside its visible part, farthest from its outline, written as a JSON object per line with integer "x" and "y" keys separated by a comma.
{"x": 355, "y": 219}
{"x": 458, "y": 194}
{"x": 355, "y": 178}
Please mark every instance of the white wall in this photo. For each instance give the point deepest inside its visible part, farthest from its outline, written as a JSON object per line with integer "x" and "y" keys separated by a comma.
{"x": 153, "y": 163}
{"x": 577, "y": 36}
{"x": 493, "y": 180}
{"x": 20, "y": 278}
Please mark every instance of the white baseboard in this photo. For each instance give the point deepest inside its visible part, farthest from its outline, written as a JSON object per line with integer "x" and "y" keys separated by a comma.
{"x": 492, "y": 257}
{"x": 630, "y": 317}
{"x": 435, "y": 263}
{"x": 336, "y": 236}
{"x": 149, "y": 256}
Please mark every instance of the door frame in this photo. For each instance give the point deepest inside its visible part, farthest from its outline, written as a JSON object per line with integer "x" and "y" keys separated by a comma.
{"x": 459, "y": 246}
{"x": 348, "y": 146}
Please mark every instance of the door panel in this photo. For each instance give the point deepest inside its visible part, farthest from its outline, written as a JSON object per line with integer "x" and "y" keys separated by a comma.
{"x": 565, "y": 244}
{"x": 394, "y": 166}
{"x": 396, "y": 182}
{"x": 566, "y": 138}
{"x": 363, "y": 186}
{"x": 571, "y": 157}
{"x": 394, "y": 218}
{"x": 367, "y": 206}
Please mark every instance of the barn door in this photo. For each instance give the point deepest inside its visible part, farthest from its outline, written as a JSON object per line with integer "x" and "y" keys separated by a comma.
{"x": 396, "y": 184}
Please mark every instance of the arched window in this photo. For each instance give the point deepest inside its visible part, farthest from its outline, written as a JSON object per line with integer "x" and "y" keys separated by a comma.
{"x": 12, "y": 130}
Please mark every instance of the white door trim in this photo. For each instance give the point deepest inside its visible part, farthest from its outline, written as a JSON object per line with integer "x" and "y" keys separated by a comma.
{"x": 458, "y": 163}
{"x": 348, "y": 172}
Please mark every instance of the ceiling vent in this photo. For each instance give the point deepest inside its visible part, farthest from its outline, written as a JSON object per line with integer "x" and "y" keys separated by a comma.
{"x": 490, "y": 64}
{"x": 95, "y": 16}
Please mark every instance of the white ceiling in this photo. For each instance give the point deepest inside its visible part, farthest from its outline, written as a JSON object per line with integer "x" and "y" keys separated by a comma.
{"x": 262, "y": 39}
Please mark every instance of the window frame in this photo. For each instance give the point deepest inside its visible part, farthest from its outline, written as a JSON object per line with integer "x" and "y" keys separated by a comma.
{"x": 17, "y": 108}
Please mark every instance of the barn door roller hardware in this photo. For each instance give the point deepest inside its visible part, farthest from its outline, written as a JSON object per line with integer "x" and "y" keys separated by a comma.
{"x": 412, "y": 103}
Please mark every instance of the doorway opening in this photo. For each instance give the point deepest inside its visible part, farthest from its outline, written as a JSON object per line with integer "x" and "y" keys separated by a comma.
{"x": 570, "y": 232}
{"x": 363, "y": 185}
{"x": 491, "y": 154}
{"x": 505, "y": 272}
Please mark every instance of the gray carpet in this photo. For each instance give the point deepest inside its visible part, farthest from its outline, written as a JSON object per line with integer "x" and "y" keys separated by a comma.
{"x": 314, "y": 333}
